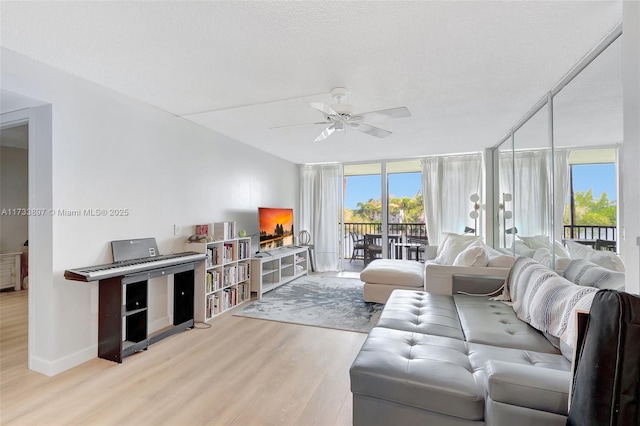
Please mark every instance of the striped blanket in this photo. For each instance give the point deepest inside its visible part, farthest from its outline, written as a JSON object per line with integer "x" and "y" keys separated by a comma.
{"x": 544, "y": 299}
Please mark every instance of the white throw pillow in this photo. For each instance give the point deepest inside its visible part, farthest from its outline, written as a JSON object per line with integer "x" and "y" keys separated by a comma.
{"x": 578, "y": 251}
{"x": 475, "y": 256}
{"x": 542, "y": 241}
{"x": 503, "y": 261}
{"x": 535, "y": 242}
{"x": 560, "y": 250}
{"x": 447, "y": 235}
{"x": 521, "y": 249}
{"x": 451, "y": 246}
{"x": 606, "y": 259}
{"x": 498, "y": 259}
{"x": 543, "y": 256}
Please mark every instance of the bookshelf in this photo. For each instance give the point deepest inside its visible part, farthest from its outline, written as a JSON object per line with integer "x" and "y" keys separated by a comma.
{"x": 223, "y": 279}
{"x": 277, "y": 267}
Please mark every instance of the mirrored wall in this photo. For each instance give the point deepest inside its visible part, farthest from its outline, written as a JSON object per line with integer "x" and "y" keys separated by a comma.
{"x": 559, "y": 163}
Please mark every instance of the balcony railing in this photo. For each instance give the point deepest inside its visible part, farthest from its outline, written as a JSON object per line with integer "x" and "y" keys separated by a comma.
{"x": 590, "y": 232}
{"x": 599, "y": 237}
{"x": 410, "y": 232}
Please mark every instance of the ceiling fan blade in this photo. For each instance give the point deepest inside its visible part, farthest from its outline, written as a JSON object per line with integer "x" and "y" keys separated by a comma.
{"x": 303, "y": 124}
{"x": 323, "y": 108}
{"x": 325, "y": 133}
{"x": 399, "y": 112}
{"x": 370, "y": 130}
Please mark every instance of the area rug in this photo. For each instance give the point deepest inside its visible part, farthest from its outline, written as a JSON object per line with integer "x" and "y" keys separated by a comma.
{"x": 319, "y": 301}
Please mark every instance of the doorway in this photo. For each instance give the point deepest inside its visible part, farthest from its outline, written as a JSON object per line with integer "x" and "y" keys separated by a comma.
{"x": 383, "y": 212}
{"x": 37, "y": 115}
{"x": 14, "y": 206}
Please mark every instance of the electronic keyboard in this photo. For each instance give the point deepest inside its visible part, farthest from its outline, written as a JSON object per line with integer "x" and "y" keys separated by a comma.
{"x": 126, "y": 267}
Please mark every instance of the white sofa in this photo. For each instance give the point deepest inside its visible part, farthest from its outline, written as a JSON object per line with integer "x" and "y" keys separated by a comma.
{"x": 464, "y": 360}
{"x": 439, "y": 278}
{"x": 382, "y": 276}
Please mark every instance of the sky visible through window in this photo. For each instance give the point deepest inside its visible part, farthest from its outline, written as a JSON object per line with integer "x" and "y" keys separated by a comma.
{"x": 364, "y": 188}
{"x": 598, "y": 177}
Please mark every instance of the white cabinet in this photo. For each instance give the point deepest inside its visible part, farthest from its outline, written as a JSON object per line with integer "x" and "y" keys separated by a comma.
{"x": 277, "y": 267}
{"x": 222, "y": 281}
{"x": 10, "y": 270}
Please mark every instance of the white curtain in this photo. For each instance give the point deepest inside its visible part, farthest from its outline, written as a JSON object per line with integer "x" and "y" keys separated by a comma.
{"x": 531, "y": 200}
{"x": 561, "y": 191}
{"x": 531, "y": 191}
{"x": 320, "y": 195}
{"x": 447, "y": 184}
{"x": 506, "y": 187}
{"x": 431, "y": 195}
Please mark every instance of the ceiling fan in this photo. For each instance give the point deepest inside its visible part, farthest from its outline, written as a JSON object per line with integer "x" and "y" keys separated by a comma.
{"x": 339, "y": 117}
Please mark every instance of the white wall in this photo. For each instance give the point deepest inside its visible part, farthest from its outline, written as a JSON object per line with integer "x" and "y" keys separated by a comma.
{"x": 631, "y": 146}
{"x": 14, "y": 191}
{"x": 111, "y": 152}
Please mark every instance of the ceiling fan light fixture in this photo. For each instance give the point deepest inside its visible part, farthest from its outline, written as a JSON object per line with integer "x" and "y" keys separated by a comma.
{"x": 342, "y": 108}
{"x": 339, "y": 116}
{"x": 339, "y": 93}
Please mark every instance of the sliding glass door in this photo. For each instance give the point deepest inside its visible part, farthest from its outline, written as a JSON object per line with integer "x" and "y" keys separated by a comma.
{"x": 362, "y": 214}
{"x": 405, "y": 210}
{"x": 382, "y": 212}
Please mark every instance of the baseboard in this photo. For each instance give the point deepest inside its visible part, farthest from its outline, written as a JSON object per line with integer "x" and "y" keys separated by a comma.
{"x": 51, "y": 368}
{"x": 159, "y": 324}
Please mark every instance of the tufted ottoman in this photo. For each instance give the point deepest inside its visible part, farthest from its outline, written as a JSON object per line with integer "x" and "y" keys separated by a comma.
{"x": 403, "y": 377}
{"x": 382, "y": 276}
{"x": 422, "y": 312}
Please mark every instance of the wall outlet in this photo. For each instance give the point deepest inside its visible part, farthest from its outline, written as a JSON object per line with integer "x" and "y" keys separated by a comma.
{"x": 177, "y": 230}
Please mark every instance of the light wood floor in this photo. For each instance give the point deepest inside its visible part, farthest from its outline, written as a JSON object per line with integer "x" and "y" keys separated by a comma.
{"x": 240, "y": 371}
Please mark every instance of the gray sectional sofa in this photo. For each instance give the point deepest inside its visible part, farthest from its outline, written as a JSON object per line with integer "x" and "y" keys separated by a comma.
{"x": 436, "y": 359}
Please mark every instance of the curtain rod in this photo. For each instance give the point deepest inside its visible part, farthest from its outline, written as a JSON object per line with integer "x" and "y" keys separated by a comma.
{"x": 568, "y": 77}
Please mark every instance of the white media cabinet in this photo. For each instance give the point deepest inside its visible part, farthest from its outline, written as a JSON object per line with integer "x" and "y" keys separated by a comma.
{"x": 276, "y": 267}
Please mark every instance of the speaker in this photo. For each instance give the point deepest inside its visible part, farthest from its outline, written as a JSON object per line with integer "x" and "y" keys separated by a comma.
{"x": 183, "y": 294}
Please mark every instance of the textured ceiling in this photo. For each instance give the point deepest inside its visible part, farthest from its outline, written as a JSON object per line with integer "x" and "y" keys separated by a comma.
{"x": 466, "y": 70}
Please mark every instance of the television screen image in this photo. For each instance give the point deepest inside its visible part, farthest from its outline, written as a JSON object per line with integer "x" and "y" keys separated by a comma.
{"x": 276, "y": 227}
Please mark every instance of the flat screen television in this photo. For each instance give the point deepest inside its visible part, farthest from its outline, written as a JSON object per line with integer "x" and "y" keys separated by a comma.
{"x": 276, "y": 227}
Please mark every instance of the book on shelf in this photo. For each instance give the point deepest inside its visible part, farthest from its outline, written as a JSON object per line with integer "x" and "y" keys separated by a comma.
{"x": 224, "y": 230}
{"x": 244, "y": 250}
{"x": 227, "y": 252}
{"x": 230, "y": 275}
{"x": 243, "y": 272}
{"x": 209, "y": 260}
{"x": 213, "y": 280}
{"x": 242, "y": 292}
{"x": 211, "y": 305}
{"x": 216, "y": 304}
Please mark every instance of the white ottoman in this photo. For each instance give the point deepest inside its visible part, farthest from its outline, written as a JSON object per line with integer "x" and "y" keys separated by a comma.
{"x": 382, "y": 276}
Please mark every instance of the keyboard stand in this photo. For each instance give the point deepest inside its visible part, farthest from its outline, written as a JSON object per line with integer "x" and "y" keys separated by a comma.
{"x": 133, "y": 291}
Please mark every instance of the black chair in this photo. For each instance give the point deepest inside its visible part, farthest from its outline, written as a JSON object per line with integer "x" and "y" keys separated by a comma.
{"x": 606, "y": 375}
{"x": 423, "y": 241}
{"x": 372, "y": 248}
{"x": 358, "y": 246}
{"x": 605, "y": 245}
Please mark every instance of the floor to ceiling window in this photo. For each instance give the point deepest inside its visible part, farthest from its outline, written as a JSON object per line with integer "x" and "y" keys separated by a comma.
{"x": 405, "y": 209}
{"x": 382, "y": 211}
{"x": 591, "y": 208}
